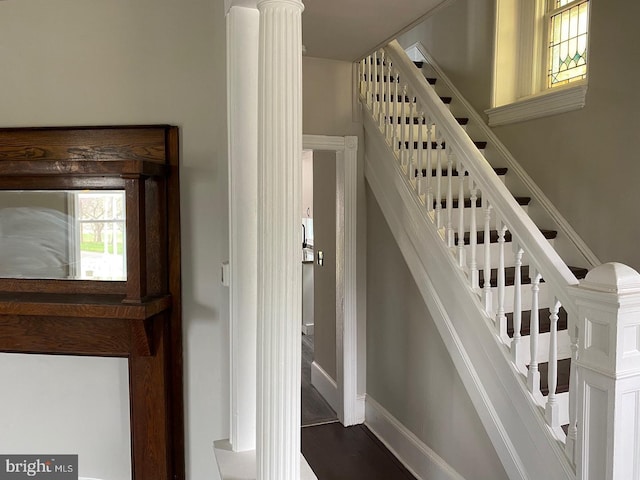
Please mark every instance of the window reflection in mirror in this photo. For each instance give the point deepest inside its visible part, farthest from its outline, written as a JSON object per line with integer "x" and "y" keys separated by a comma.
{"x": 63, "y": 234}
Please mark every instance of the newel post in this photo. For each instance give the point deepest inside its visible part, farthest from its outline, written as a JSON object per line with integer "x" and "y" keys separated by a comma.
{"x": 608, "y": 374}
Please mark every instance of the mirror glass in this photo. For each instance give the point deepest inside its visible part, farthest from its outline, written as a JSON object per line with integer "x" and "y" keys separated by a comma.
{"x": 74, "y": 234}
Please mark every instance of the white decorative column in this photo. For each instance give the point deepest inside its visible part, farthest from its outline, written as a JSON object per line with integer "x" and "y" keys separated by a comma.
{"x": 242, "y": 114}
{"x": 279, "y": 239}
{"x": 608, "y": 370}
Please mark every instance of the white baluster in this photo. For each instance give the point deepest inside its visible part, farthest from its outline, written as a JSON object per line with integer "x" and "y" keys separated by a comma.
{"x": 403, "y": 121}
{"x": 396, "y": 114}
{"x": 552, "y": 410}
{"x": 473, "y": 235}
{"x": 420, "y": 156}
{"x": 438, "y": 198}
{"x": 533, "y": 376}
{"x": 461, "y": 256}
{"x": 368, "y": 81}
{"x": 365, "y": 78}
{"x": 411, "y": 150}
{"x": 430, "y": 140}
{"x": 388, "y": 123}
{"x": 449, "y": 229}
{"x": 374, "y": 82}
{"x": 381, "y": 84}
{"x": 488, "y": 300}
{"x": 516, "y": 352}
{"x": 501, "y": 318}
{"x": 572, "y": 433}
{"x": 361, "y": 78}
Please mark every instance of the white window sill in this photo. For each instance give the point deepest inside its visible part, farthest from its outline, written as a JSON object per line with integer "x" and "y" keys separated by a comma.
{"x": 549, "y": 102}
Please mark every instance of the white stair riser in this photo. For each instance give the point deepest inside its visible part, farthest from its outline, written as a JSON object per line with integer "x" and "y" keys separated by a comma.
{"x": 494, "y": 249}
{"x": 467, "y": 218}
{"x": 455, "y": 185}
{"x": 564, "y": 347}
{"x": 396, "y": 107}
{"x": 416, "y": 132}
{"x": 544, "y": 297}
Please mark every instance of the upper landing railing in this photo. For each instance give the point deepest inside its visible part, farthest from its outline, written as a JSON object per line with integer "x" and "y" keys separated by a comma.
{"x": 444, "y": 168}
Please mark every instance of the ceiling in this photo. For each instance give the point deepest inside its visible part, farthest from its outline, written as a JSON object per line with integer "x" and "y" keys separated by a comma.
{"x": 349, "y": 29}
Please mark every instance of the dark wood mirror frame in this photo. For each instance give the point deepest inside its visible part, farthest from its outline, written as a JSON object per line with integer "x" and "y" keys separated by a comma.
{"x": 138, "y": 319}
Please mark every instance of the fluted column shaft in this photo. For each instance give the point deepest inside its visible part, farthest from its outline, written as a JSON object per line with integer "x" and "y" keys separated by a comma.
{"x": 279, "y": 234}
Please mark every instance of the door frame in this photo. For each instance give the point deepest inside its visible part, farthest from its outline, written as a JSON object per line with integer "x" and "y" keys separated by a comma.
{"x": 350, "y": 333}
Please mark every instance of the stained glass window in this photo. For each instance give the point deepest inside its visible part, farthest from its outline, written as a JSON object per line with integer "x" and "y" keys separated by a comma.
{"x": 568, "y": 27}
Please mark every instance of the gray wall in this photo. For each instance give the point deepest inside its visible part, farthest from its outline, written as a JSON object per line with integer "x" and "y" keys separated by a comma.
{"x": 327, "y": 98}
{"x": 585, "y": 161}
{"x": 460, "y": 38}
{"x": 73, "y": 62}
{"x": 409, "y": 371}
{"x": 324, "y": 277}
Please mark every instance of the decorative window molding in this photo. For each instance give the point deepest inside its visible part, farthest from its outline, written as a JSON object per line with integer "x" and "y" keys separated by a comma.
{"x": 546, "y": 103}
{"x": 521, "y": 66}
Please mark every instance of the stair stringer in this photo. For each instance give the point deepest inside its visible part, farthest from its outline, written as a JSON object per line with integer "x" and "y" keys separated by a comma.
{"x": 514, "y": 423}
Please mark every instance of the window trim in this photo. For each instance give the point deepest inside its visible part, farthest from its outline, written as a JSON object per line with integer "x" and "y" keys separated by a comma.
{"x": 527, "y": 89}
{"x": 549, "y": 102}
{"x": 73, "y": 234}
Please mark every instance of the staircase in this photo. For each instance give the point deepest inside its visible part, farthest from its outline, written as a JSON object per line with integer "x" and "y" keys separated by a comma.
{"x": 496, "y": 263}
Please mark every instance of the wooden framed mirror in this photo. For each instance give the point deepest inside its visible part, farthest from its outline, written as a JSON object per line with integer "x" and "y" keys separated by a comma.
{"x": 51, "y": 299}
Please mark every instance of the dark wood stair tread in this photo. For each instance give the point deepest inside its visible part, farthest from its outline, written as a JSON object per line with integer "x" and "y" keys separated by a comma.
{"x": 454, "y": 172}
{"x": 522, "y": 201}
{"x": 493, "y": 236}
{"x": 510, "y": 275}
{"x": 386, "y": 79}
{"x": 416, "y": 120}
{"x": 434, "y": 145}
{"x": 407, "y": 99}
{"x": 544, "y": 322}
{"x": 564, "y": 368}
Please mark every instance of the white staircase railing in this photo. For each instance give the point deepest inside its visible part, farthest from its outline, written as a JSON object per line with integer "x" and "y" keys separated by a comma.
{"x": 443, "y": 168}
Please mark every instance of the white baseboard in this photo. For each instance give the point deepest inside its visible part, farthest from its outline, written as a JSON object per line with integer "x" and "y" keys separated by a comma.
{"x": 326, "y": 386}
{"x": 417, "y": 457}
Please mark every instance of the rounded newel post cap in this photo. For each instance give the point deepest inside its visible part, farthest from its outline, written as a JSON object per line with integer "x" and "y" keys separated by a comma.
{"x": 612, "y": 277}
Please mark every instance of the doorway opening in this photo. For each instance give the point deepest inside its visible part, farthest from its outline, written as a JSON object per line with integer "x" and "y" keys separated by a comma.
{"x": 340, "y": 378}
{"x": 319, "y": 288}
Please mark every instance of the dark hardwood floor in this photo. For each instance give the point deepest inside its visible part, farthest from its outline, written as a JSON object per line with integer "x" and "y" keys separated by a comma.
{"x": 353, "y": 453}
{"x": 333, "y": 451}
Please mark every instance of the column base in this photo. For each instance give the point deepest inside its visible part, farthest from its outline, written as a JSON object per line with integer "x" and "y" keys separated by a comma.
{"x": 242, "y": 465}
